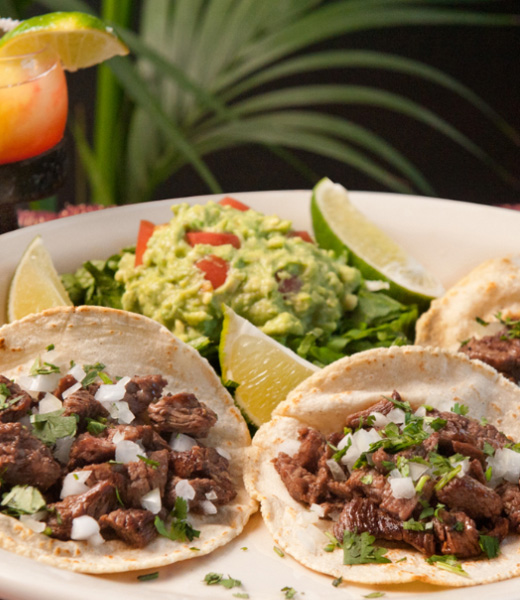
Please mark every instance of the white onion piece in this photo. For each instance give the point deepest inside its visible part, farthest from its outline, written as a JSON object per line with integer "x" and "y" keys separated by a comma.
{"x": 208, "y": 508}
{"x": 344, "y": 441}
{"x": 49, "y": 403}
{"x": 83, "y": 528}
{"x": 361, "y": 442}
{"x": 119, "y": 411}
{"x": 181, "y": 442}
{"x": 337, "y": 472}
{"x": 464, "y": 464}
{"x": 417, "y": 470}
{"x": 223, "y": 453}
{"x": 310, "y": 537}
{"x": 39, "y": 383}
{"x": 69, "y": 391}
{"x": 318, "y": 509}
{"x": 397, "y": 416}
{"x": 62, "y": 448}
{"x": 112, "y": 392}
{"x": 33, "y": 524}
{"x": 402, "y": 487}
{"x": 211, "y": 495}
{"x": 505, "y": 464}
{"x": 75, "y": 483}
{"x": 289, "y": 447}
{"x": 421, "y": 411}
{"x": 127, "y": 451}
{"x": 184, "y": 489}
{"x": 118, "y": 436}
{"x": 152, "y": 501}
{"x": 77, "y": 372}
{"x": 380, "y": 420}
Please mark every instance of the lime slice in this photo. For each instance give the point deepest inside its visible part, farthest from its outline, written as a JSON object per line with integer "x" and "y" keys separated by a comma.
{"x": 36, "y": 285}
{"x": 265, "y": 370}
{"x": 80, "y": 40}
{"x": 339, "y": 226}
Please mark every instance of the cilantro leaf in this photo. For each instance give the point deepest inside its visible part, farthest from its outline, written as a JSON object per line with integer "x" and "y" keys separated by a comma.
{"x": 48, "y": 427}
{"x": 447, "y": 562}
{"x": 358, "y": 549}
{"x": 459, "y": 409}
{"x": 42, "y": 368}
{"x": 23, "y": 500}
{"x": 490, "y": 545}
{"x": 180, "y": 530}
{"x": 218, "y": 579}
{"x": 290, "y": 592}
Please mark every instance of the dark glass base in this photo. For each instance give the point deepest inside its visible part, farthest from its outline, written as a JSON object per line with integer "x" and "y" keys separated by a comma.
{"x": 28, "y": 180}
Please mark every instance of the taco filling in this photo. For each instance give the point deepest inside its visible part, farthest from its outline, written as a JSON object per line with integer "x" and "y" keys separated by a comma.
{"x": 440, "y": 481}
{"x": 93, "y": 456}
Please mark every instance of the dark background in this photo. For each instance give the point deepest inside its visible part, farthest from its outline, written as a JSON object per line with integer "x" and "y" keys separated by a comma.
{"x": 485, "y": 59}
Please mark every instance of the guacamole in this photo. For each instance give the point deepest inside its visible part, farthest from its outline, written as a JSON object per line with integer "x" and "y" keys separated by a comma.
{"x": 210, "y": 255}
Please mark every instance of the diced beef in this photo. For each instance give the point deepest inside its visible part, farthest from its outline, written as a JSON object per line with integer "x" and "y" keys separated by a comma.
{"x": 363, "y": 482}
{"x": 218, "y": 491}
{"x": 383, "y": 406}
{"x": 141, "y": 391}
{"x": 499, "y": 351}
{"x": 199, "y": 461}
{"x": 362, "y": 515}
{"x": 114, "y": 473}
{"x": 143, "y": 477}
{"x": 83, "y": 404}
{"x": 472, "y": 497}
{"x": 382, "y": 459}
{"x": 487, "y": 433}
{"x": 401, "y": 508}
{"x": 145, "y": 434}
{"x": 301, "y": 484}
{"x": 17, "y": 402}
{"x": 510, "y": 494}
{"x": 132, "y": 525}
{"x": 182, "y": 413}
{"x": 469, "y": 450}
{"x": 97, "y": 501}
{"x": 499, "y": 528}
{"x": 312, "y": 447}
{"x": 24, "y": 459}
{"x": 64, "y": 384}
{"x": 88, "y": 449}
{"x": 457, "y": 534}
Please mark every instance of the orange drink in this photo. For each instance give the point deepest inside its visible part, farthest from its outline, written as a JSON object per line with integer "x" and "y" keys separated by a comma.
{"x": 33, "y": 104}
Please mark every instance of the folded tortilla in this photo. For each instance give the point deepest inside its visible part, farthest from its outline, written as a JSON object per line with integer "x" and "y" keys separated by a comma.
{"x": 324, "y": 400}
{"x": 128, "y": 344}
{"x": 490, "y": 288}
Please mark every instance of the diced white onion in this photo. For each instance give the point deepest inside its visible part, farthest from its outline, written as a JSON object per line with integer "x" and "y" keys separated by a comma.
{"x": 128, "y": 451}
{"x": 152, "y": 501}
{"x": 77, "y": 372}
{"x": 376, "y": 285}
{"x": 39, "y": 383}
{"x": 361, "y": 442}
{"x": 118, "y": 436}
{"x": 337, "y": 472}
{"x": 84, "y": 528}
{"x": 211, "y": 495}
{"x": 402, "y": 487}
{"x": 417, "y": 470}
{"x": 397, "y": 416}
{"x": 62, "y": 448}
{"x": 33, "y": 524}
{"x": 75, "y": 483}
{"x": 208, "y": 508}
{"x": 505, "y": 464}
{"x": 49, "y": 403}
{"x": 421, "y": 411}
{"x": 380, "y": 420}
{"x": 119, "y": 411}
{"x": 184, "y": 489}
{"x": 289, "y": 447}
{"x": 223, "y": 453}
{"x": 310, "y": 537}
{"x": 318, "y": 509}
{"x": 69, "y": 391}
{"x": 464, "y": 464}
{"x": 344, "y": 441}
{"x": 181, "y": 442}
{"x": 112, "y": 392}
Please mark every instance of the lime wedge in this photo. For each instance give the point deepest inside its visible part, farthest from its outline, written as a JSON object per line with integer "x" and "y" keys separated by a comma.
{"x": 36, "y": 285}
{"x": 339, "y": 226}
{"x": 81, "y": 40}
{"x": 265, "y": 370}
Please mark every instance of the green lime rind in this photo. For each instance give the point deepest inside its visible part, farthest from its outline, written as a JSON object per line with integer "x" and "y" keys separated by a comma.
{"x": 327, "y": 239}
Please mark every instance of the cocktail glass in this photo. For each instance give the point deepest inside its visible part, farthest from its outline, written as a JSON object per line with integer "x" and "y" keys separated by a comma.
{"x": 33, "y": 115}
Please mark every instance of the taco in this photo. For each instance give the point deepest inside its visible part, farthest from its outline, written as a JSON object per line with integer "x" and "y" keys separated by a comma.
{"x": 395, "y": 465}
{"x": 479, "y": 316}
{"x": 119, "y": 447}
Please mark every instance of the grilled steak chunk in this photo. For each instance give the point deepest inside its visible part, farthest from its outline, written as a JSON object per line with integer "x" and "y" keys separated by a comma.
{"x": 143, "y": 477}
{"x": 383, "y": 406}
{"x": 132, "y": 525}
{"x": 510, "y": 494}
{"x": 141, "y": 391}
{"x": 24, "y": 459}
{"x": 88, "y": 449}
{"x": 17, "y": 402}
{"x": 457, "y": 534}
{"x": 83, "y": 404}
{"x": 475, "y": 499}
{"x": 499, "y": 351}
{"x": 182, "y": 413}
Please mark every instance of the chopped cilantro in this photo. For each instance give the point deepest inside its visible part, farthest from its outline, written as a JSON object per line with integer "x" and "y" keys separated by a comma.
{"x": 118, "y": 498}
{"x": 367, "y": 479}
{"x": 338, "y": 454}
{"x": 48, "y": 427}
{"x": 448, "y": 562}
{"x": 421, "y": 483}
{"x": 413, "y": 525}
{"x": 375, "y": 595}
{"x": 481, "y": 321}
{"x": 240, "y": 595}
{"x": 50, "y": 347}
{"x": 489, "y": 473}
{"x": 400, "y": 404}
{"x": 289, "y": 591}
{"x": 459, "y": 409}
{"x": 488, "y": 449}
{"x": 278, "y": 551}
{"x": 96, "y": 426}
{"x": 427, "y": 512}
{"x": 358, "y": 549}
{"x": 148, "y": 576}
{"x": 459, "y": 526}
{"x": 338, "y": 581}
{"x": 23, "y": 500}
{"x": 91, "y": 373}
{"x": 218, "y": 579}
{"x": 148, "y": 461}
{"x": 490, "y": 545}
{"x": 180, "y": 530}
{"x": 45, "y": 368}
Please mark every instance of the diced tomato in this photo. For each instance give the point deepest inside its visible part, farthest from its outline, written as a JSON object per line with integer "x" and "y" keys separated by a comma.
{"x": 212, "y": 238}
{"x": 301, "y": 234}
{"x": 214, "y": 268}
{"x": 146, "y": 228}
{"x": 228, "y": 201}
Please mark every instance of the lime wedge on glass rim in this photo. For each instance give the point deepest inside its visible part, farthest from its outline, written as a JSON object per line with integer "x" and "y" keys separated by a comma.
{"x": 339, "y": 226}
{"x": 81, "y": 40}
{"x": 264, "y": 370}
{"x": 36, "y": 284}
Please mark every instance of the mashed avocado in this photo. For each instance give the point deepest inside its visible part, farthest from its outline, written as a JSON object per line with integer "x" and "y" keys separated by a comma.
{"x": 283, "y": 284}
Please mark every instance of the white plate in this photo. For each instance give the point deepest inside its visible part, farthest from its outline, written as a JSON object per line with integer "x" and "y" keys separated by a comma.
{"x": 449, "y": 238}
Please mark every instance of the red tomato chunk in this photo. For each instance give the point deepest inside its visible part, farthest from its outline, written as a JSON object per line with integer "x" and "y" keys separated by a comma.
{"x": 228, "y": 201}
{"x": 212, "y": 238}
{"x": 214, "y": 268}
{"x": 146, "y": 228}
